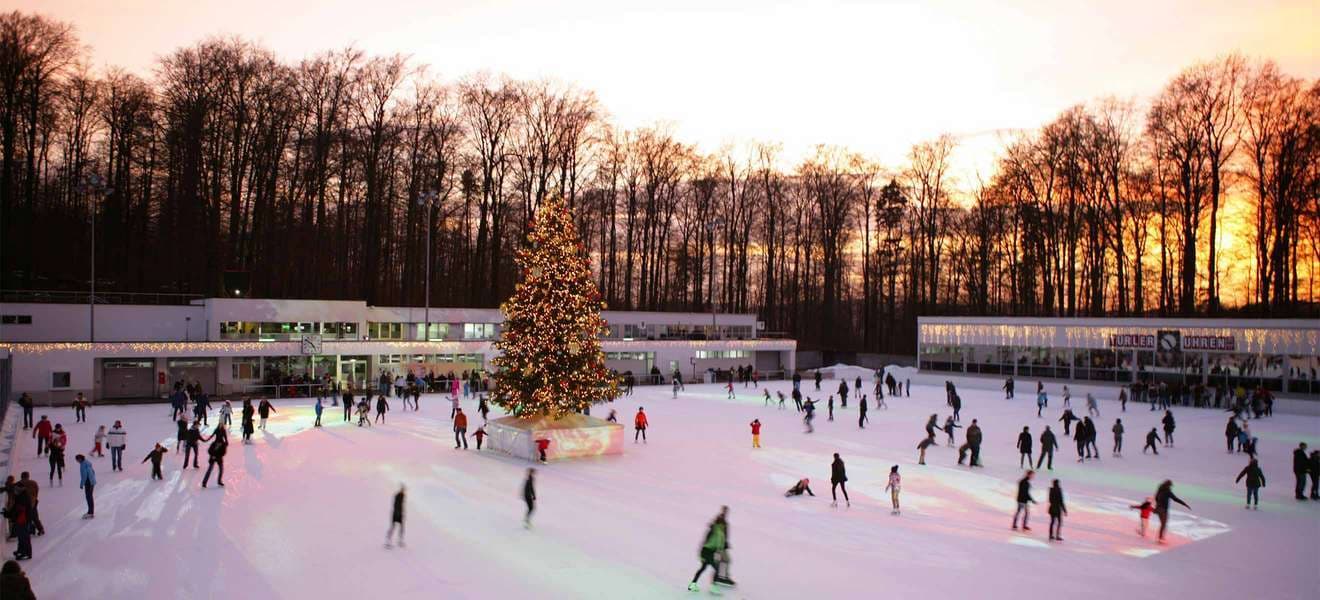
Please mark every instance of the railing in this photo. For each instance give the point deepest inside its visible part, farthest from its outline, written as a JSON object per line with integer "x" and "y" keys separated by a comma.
{"x": 80, "y": 297}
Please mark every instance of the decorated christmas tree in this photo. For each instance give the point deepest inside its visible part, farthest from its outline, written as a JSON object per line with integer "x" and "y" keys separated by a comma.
{"x": 550, "y": 361}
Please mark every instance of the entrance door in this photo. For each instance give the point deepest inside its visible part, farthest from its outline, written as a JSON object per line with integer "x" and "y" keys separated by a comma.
{"x": 353, "y": 371}
{"x": 189, "y": 370}
{"x": 128, "y": 378}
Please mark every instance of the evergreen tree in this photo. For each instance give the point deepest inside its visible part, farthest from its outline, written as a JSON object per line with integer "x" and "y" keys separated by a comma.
{"x": 550, "y": 360}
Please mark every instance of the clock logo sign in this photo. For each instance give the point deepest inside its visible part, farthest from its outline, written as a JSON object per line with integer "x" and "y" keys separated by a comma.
{"x": 1170, "y": 340}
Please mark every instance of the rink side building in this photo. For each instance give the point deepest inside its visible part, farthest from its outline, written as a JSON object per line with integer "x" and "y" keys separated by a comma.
{"x": 1280, "y": 354}
{"x": 234, "y": 345}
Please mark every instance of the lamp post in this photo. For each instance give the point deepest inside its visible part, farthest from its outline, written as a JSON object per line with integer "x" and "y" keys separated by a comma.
{"x": 428, "y": 200}
{"x": 94, "y": 185}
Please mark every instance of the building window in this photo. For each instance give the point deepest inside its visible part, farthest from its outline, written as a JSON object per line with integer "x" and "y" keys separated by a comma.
{"x": 478, "y": 331}
{"x": 16, "y": 319}
{"x": 385, "y": 331}
{"x": 437, "y": 331}
{"x": 60, "y": 380}
{"x": 703, "y": 354}
{"x": 247, "y": 368}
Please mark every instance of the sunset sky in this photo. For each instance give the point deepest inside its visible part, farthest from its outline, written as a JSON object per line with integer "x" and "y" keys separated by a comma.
{"x": 873, "y": 76}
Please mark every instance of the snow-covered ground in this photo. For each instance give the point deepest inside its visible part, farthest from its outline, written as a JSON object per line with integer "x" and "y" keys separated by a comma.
{"x": 305, "y": 511}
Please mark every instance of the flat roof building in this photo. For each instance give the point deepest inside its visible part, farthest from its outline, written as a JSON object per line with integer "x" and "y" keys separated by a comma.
{"x": 246, "y": 345}
{"x": 1282, "y": 355}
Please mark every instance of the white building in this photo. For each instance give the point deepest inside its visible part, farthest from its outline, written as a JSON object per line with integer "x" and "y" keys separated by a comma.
{"x": 1283, "y": 355}
{"x": 237, "y": 345}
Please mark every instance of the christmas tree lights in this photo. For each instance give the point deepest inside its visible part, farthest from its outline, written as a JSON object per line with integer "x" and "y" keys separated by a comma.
{"x": 550, "y": 361}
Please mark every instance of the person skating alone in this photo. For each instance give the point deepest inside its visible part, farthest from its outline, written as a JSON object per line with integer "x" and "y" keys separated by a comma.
{"x": 382, "y": 406}
{"x": 1041, "y": 401}
{"x": 1162, "y": 497}
{"x": 118, "y": 442}
{"x": 640, "y": 423}
{"x": 460, "y": 430}
{"x": 1047, "y": 445}
{"x": 79, "y": 408}
{"x": 87, "y": 483}
{"x": 1024, "y": 501}
{"x": 348, "y": 404}
{"x": 829, "y": 405}
{"x": 1231, "y": 433}
{"x": 1168, "y": 428}
{"x": 249, "y": 427}
{"x": 756, "y": 433}
{"x": 1068, "y": 418}
{"x": 948, "y": 428}
{"x": 713, "y": 547}
{"x": 396, "y": 519}
{"x": 318, "y": 407}
{"x": 1118, "y": 437}
{"x": 263, "y": 410}
{"x": 227, "y": 414}
{"x": 56, "y": 459}
{"x": 809, "y": 408}
{"x": 1024, "y": 447}
{"x": 1151, "y": 438}
{"x": 1255, "y": 481}
{"x": 894, "y": 486}
{"x": 1315, "y": 474}
{"x": 1057, "y": 511}
{"x": 529, "y": 497}
{"x": 861, "y": 413}
{"x": 155, "y": 456}
{"x": 25, "y": 403}
{"x": 838, "y": 480}
{"x": 480, "y": 435}
{"x": 542, "y": 445}
{"x": 1091, "y": 408}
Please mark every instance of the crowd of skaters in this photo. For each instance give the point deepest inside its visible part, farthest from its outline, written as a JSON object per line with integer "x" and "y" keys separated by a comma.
{"x": 22, "y": 505}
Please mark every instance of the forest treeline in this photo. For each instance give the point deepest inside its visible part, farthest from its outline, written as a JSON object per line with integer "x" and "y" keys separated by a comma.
{"x": 321, "y": 178}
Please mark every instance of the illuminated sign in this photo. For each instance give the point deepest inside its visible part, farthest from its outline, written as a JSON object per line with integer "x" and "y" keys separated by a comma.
{"x": 1172, "y": 340}
{"x": 1132, "y": 340}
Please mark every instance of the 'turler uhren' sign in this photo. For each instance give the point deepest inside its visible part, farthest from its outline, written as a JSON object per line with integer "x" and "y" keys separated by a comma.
{"x": 1173, "y": 341}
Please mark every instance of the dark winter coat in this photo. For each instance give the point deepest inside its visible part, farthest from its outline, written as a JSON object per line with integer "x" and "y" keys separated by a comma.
{"x": 1024, "y": 442}
{"x": 974, "y": 435}
{"x": 15, "y": 586}
{"x": 1255, "y": 477}
{"x": 1056, "y": 502}
{"x": 1162, "y": 498}
{"x": 1047, "y": 441}
{"x": 837, "y": 473}
{"x": 1301, "y": 462}
{"x": 1024, "y": 491}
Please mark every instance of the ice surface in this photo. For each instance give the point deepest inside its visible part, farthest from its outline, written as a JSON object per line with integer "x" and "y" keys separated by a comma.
{"x": 305, "y": 511}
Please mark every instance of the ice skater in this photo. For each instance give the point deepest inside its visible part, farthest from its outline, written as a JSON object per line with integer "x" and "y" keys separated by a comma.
{"x": 87, "y": 483}
{"x": 460, "y": 430}
{"x": 216, "y": 456}
{"x": 227, "y": 414}
{"x": 640, "y": 423}
{"x": 248, "y": 427}
{"x": 80, "y": 408}
{"x": 894, "y": 486}
{"x": 1118, "y": 437}
{"x": 1162, "y": 497}
{"x": 1041, "y": 402}
{"x": 1301, "y": 466}
{"x": 756, "y": 433}
{"x": 829, "y": 405}
{"x": 713, "y": 547}
{"x": 263, "y": 410}
{"x": 809, "y": 408}
{"x": 1168, "y": 428}
{"x": 118, "y": 441}
{"x": 948, "y": 428}
{"x": 191, "y": 442}
{"x": 1024, "y": 501}
{"x": 529, "y": 497}
{"x": 1047, "y": 445}
{"x": 803, "y": 486}
{"x": 479, "y": 434}
{"x": 838, "y": 480}
{"x": 861, "y": 414}
{"x": 542, "y": 444}
{"x": 1151, "y": 438}
{"x": 396, "y": 518}
{"x": 98, "y": 442}
{"x": 973, "y": 444}
{"x": 1091, "y": 408}
{"x": 1024, "y": 447}
{"x": 56, "y": 459}
{"x": 922, "y": 446}
{"x": 348, "y": 404}
{"x": 382, "y": 406}
{"x": 1057, "y": 511}
{"x": 156, "y": 455}
{"x": 318, "y": 407}
{"x": 1255, "y": 481}
{"x": 1147, "y": 507}
{"x": 1067, "y": 419}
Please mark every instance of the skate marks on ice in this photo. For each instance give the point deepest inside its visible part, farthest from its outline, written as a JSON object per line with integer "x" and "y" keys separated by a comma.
{"x": 952, "y": 501}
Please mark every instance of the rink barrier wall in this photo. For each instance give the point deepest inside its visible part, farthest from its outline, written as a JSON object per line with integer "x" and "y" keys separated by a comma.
{"x": 1026, "y": 389}
{"x": 574, "y": 436}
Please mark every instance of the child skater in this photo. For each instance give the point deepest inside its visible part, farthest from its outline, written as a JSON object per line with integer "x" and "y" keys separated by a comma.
{"x": 99, "y": 441}
{"x": 895, "y": 484}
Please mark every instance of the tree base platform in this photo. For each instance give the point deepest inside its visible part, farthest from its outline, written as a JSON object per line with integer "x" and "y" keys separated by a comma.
{"x": 571, "y": 436}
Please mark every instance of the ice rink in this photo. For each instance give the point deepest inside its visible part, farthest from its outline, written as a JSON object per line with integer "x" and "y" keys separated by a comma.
{"x": 305, "y": 510}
